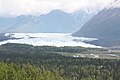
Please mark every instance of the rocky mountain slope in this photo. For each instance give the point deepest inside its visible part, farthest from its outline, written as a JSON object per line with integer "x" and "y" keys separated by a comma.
{"x": 105, "y": 26}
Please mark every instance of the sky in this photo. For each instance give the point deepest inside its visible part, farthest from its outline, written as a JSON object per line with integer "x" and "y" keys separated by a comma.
{"x": 37, "y": 7}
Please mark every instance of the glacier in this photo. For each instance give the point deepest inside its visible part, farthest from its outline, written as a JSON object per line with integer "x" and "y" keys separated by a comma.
{"x": 49, "y": 39}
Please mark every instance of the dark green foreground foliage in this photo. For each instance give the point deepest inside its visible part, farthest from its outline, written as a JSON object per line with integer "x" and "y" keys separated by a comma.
{"x": 27, "y": 72}
{"x": 25, "y": 62}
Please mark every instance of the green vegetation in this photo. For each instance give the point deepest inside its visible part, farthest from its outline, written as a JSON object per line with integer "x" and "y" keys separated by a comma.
{"x": 26, "y": 62}
{"x": 26, "y": 72}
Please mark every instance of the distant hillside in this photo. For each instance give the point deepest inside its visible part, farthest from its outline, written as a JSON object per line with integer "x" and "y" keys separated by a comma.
{"x": 105, "y": 26}
{"x": 55, "y": 21}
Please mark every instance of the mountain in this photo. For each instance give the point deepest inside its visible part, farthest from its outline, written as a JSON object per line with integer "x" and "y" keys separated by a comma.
{"x": 105, "y": 26}
{"x": 55, "y": 21}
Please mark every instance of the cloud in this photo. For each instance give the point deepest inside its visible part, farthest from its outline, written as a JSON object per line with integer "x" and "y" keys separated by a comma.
{"x": 37, "y": 7}
{"x": 116, "y": 4}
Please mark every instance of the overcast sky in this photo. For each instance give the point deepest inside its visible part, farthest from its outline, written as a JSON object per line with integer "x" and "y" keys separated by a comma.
{"x": 37, "y": 7}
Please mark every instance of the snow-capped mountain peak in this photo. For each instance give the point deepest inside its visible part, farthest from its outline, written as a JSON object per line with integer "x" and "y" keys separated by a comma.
{"x": 63, "y": 22}
{"x": 115, "y": 4}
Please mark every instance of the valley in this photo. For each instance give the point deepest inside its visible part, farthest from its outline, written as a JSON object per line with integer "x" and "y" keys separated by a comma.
{"x": 60, "y": 40}
{"x": 20, "y": 61}
{"x": 46, "y": 39}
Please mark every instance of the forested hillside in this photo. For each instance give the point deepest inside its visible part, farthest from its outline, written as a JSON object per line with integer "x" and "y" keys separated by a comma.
{"x": 26, "y": 62}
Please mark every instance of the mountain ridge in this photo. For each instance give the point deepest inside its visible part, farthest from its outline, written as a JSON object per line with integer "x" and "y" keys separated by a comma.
{"x": 63, "y": 22}
{"x": 105, "y": 26}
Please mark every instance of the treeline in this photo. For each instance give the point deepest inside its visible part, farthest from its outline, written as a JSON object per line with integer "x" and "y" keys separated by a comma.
{"x": 45, "y": 60}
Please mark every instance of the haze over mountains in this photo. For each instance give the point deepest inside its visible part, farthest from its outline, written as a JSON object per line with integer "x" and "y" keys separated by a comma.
{"x": 55, "y": 21}
{"x": 105, "y": 26}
